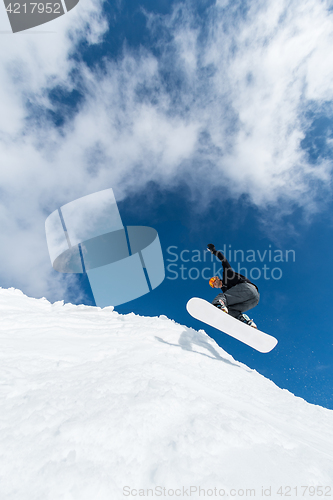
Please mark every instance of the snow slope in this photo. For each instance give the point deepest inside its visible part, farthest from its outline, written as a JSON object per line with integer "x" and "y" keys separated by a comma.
{"x": 95, "y": 405}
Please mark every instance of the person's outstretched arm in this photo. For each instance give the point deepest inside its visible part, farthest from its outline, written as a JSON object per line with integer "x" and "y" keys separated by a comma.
{"x": 219, "y": 255}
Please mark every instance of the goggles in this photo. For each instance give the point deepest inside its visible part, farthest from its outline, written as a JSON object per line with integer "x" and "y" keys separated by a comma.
{"x": 212, "y": 281}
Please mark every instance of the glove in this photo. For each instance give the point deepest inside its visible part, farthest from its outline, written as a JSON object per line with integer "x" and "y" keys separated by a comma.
{"x": 211, "y": 248}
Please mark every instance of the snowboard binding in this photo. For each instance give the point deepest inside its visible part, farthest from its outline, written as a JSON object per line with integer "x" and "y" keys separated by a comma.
{"x": 245, "y": 319}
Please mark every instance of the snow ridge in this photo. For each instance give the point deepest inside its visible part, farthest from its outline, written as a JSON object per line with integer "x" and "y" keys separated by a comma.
{"x": 98, "y": 406}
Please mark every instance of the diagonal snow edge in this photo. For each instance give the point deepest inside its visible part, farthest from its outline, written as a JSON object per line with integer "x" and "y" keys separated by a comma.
{"x": 96, "y": 405}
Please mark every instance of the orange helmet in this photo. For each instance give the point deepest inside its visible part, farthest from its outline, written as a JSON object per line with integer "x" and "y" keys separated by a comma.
{"x": 212, "y": 281}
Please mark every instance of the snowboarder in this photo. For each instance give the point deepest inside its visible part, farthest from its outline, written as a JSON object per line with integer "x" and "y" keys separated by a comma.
{"x": 239, "y": 294}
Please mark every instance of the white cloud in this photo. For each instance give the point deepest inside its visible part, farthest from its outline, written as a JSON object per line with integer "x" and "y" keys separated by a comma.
{"x": 222, "y": 105}
{"x": 31, "y": 178}
{"x": 267, "y": 82}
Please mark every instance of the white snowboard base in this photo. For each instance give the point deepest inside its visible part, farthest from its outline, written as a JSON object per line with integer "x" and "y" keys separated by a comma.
{"x": 204, "y": 311}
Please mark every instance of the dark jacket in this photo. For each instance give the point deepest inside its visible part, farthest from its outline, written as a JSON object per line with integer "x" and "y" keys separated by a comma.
{"x": 230, "y": 277}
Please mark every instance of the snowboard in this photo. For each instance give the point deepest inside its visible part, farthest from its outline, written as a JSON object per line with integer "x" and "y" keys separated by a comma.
{"x": 204, "y": 311}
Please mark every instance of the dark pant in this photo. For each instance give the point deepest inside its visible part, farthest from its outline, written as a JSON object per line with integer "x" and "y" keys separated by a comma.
{"x": 239, "y": 298}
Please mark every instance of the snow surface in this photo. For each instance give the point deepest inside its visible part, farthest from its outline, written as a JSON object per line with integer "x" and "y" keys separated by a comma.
{"x": 100, "y": 406}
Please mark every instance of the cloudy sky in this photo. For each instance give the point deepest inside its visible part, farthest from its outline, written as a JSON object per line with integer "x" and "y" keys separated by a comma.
{"x": 209, "y": 119}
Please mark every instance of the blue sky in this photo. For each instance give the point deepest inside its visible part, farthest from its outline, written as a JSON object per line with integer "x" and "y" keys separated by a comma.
{"x": 212, "y": 122}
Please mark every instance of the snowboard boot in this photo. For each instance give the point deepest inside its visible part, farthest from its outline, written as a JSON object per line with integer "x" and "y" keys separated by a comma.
{"x": 223, "y": 306}
{"x": 245, "y": 319}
